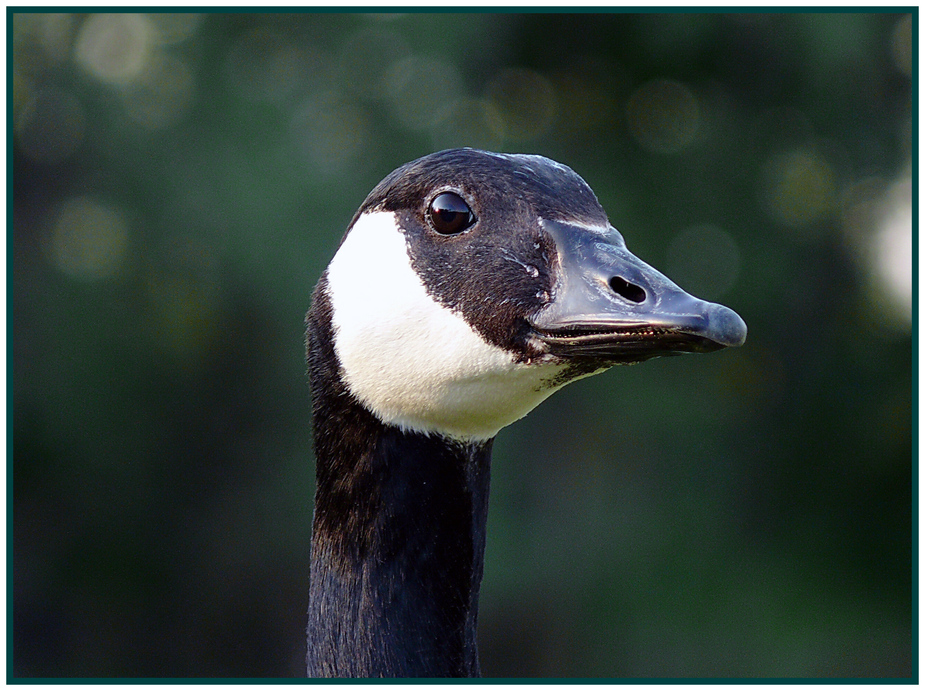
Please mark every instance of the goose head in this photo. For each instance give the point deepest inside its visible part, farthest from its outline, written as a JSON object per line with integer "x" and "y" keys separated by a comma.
{"x": 472, "y": 285}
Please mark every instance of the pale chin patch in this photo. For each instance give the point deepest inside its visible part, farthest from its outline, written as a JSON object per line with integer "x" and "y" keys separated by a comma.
{"x": 411, "y": 361}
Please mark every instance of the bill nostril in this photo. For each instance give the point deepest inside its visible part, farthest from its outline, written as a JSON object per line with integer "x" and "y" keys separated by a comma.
{"x": 627, "y": 290}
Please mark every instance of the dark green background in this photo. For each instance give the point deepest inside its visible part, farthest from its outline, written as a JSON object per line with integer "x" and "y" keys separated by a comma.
{"x": 178, "y": 185}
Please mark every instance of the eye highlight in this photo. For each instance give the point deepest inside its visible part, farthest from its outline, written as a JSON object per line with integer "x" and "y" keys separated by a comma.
{"x": 449, "y": 214}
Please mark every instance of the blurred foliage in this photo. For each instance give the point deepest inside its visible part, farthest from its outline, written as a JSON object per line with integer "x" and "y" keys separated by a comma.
{"x": 179, "y": 183}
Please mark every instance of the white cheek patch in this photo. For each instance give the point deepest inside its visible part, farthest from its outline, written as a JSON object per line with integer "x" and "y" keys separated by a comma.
{"x": 411, "y": 361}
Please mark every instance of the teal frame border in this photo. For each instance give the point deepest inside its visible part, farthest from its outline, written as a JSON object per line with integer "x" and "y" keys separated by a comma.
{"x": 916, "y": 408}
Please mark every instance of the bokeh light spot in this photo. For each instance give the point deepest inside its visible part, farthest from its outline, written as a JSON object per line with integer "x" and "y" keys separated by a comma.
{"x": 89, "y": 240}
{"x": 892, "y": 249}
{"x": 704, "y": 259}
{"x": 877, "y": 226}
{"x": 526, "y": 102}
{"x": 799, "y": 188}
{"x": 50, "y": 126}
{"x": 663, "y": 116}
{"x": 115, "y": 48}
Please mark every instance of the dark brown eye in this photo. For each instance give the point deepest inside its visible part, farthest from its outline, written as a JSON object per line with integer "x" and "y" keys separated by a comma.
{"x": 450, "y": 214}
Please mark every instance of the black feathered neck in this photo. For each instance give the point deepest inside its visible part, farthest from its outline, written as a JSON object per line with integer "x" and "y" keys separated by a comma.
{"x": 398, "y": 536}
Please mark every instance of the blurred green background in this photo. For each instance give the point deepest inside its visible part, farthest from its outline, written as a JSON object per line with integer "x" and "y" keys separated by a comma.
{"x": 181, "y": 180}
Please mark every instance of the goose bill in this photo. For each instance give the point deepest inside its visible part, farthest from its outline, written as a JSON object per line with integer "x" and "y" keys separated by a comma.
{"x": 609, "y": 305}
{"x": 623, "y": 343}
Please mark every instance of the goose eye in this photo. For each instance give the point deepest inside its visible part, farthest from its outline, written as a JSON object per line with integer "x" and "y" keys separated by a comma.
{"x": 449, "y": 214}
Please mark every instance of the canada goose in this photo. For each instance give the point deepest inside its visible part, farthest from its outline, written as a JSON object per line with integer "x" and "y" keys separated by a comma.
{"x": 468, "y": 287}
